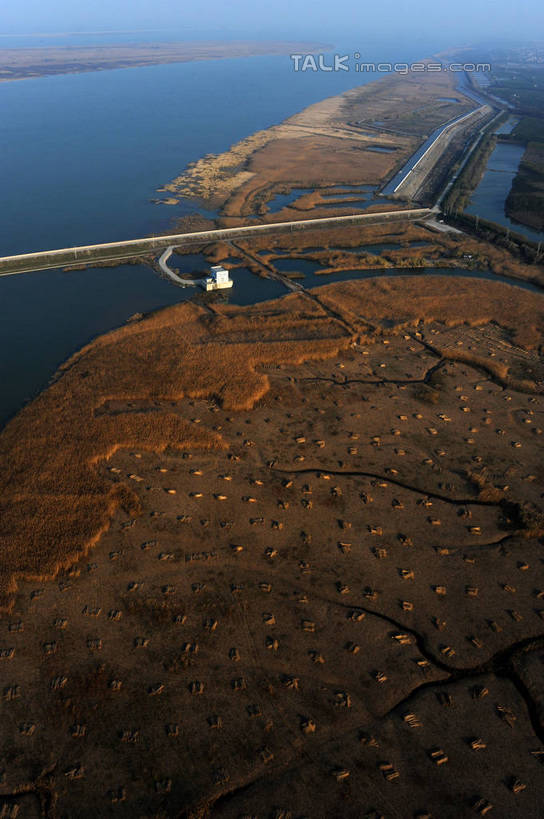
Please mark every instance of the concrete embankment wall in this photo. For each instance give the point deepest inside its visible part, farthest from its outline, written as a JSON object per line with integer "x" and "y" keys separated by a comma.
{"x": 412, "y": 184}
{"x": 117, "y": 251}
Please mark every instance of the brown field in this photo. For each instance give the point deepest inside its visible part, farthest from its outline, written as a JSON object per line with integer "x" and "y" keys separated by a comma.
{"x": 281, "y": 561}
{"x": 278, "y": 164}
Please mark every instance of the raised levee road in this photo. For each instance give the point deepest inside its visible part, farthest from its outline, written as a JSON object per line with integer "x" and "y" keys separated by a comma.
{"x": 117, "y": 251}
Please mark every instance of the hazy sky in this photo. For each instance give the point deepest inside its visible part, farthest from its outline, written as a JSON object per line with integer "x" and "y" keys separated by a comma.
{"x": 331, "y": 20}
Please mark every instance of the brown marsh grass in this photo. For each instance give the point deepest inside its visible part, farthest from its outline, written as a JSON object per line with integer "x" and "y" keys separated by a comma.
{"x": 451, "y": 301}
{"x": 55, "y": 503}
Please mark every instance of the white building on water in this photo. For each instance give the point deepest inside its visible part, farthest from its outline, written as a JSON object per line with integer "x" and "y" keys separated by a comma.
{"x": 219, "y": 279}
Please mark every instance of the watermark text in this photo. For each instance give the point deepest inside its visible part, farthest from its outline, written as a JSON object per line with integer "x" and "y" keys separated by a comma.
{"x": 353, "y": 62}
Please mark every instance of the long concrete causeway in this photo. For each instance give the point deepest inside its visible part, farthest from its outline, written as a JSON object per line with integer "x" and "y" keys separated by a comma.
{"x": 117, "y": 251}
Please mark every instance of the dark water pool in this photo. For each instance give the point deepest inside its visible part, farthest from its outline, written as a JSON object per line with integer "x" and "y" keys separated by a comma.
{"x": 281, "y": 200}
{"x": 381, "y": 149}
{"x": 306, "y": 266}
{"x": 489, "y": 198}
{"x": 189, "y": 263}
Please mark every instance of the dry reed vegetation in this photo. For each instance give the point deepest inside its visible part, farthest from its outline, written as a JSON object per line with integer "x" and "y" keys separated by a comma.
{"x": 332, "y": 249}
{"x": 449, "y": 301}
{"x": 331, "y": 600}
{"x": 344, "y": 237}
{"x": 318, "y": 162}
{"x": 54, "y": 502}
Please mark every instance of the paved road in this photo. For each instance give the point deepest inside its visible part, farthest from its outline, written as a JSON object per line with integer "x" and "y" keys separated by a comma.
{"x": 402, "y": 176}
{"x": 397, "y": 186}
{"x": 163, "y": 264}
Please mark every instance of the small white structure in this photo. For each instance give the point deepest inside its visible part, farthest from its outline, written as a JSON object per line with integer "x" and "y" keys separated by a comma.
{"x": 219, "y": 279}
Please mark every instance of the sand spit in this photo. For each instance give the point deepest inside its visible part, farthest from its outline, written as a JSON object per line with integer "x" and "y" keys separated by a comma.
{"x": 23, "y": 63}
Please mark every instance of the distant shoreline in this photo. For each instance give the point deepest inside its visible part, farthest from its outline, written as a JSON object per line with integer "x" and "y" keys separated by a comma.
{"x": 31, "y": 63}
